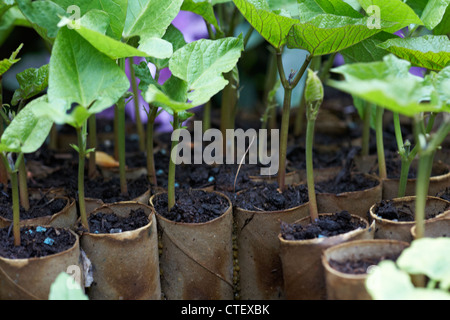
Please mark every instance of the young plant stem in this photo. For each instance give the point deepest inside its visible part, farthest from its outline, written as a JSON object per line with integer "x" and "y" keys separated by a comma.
{"x": 313, "y": 211}
{"x": 139, "y": 125}
{"x": 92, "y": 123}
{"x": 366, "y": 130}
{"x": 121, "y": 138}
{"x": 288, "y": 87}
{"x": 172, "y": 165}
{"x": 23, "y": 186}
{"x": 207, "y": 116}
{"x": 16, "y": 207}
{"x": 300, "y": 116}
{"x": 149, "y": 141}
{"x": 380, "y": 144}
{"x": 269, "y": 84}
{"x": 325, "y": 71}
{"x": 81, "y": 137}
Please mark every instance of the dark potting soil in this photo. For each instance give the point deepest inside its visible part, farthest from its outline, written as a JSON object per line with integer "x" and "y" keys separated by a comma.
{"x": 111, "y": 223}
{"x": 401, "y": 212}
{"x": 192, "y": 206}
{"x": 40, "y": 207}
{"x": 361, "y": 265}
{"x": 444, "y": 194}
{"x": 346, "y": 183}
{"x": 35, "y": 242}
{"x": 267, "y": 197}
{"x": 326, "y": 226}
{"x": 296, "y": 158}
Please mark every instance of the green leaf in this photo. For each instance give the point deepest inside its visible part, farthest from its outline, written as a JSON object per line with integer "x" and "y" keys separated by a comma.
{"x": 10, "y": 19}
{"x": 65, "y": 288}
{"x": 428, "y": 256}
{"x": 161, "y": 99}
{"x": 393, "y": 11}
{"x": 31, "y": 81}
{"x": 80, "y": 74}
{"x": 5, "y": 64}
{"x": 203, "y": 8}
{"x": 201, "y": 64}
{"x": 389, "y": 84}
{"x": 271, "y": 26}
{"x": 111, "y": 47}
{"x": 387, "y": 282}
{"x": 116, "y": 10}
{"x": 26, "y": 132}
{"x": 429, "y": 51}
{"x": 368, "y": 49}
{"x": 430, "y": 12}
{"x": 313, "y": 88}
{"x": 43, "y": 15}
{"x": 444, "y": 26}
{"x": 339, "y": 8}
{"x": 326, "y": 34}
{"x": 149, "y": 19}
{"x": 142, "y": 71}
{"x": 176, "y": 38}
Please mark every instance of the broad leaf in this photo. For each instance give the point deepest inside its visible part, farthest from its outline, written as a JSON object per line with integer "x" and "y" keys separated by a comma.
{"x": 395, "y": 11}
{"x": 26, "y": 133}
{"x": 201, "y": 64}
{"x": 430, "y": 12}
{"x": 116, "y": 10}
{"x": 271, "y": 26}
{"x": 203, "y": 8}
{"x": 326, "y": 34}
{"x": 111, "y": 47}
{"x": 176, "y": 38}
{"x": 428, "y": 256}
{"x": 368, "y": 49}
{"x": 431, "y": 52}
{"x": 80, "y": 74}
{"x": 444, "y": 26}
{"x": 31, "y": 81}
{"x": 338, "y": 7}
{"x": 44, "y": 16}
{"x": 197, "y": 73}
{"x": 6, "y": 63}
{"x": 149, "y": 19}
{"x": 389, "y": 84}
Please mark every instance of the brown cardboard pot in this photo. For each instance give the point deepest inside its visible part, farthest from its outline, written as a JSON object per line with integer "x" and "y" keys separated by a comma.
{"x": 125, "y": 265}
{"x": 66, "y": 218}
{"x": 355, "y": 202}
{"x": 435, "y": 228}
{"x": 94, "y": 203}
{"x": 260, "y": 267}
{"x": 346, "y": 286}
{"x": 303, "y": 274}
{"x": 439, "y": 180}
{"x": 31, "y": 279}
{"x": 401, "y": 230}
{"x": 197, "y": 258}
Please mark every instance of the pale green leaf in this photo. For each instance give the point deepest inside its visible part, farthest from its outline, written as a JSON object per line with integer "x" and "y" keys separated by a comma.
{"x": 313, "y": 88}
{"x": 430, "y": 12}
{"x": 339, "y": 8}
{"x": 65, "y": 288}
{"x": 27, "y": 132}
{"x": 271, "y": 26}
{"x": 326, "y": 34}
{"x": 428, "y": 256}
{"x": 31, "y": 81}
{"x": 444, "y": 26}
{"x": 429, "y": 51}
{"x": 116, "y": 10}
{"x": 202, "y": 63}
{"x": 80, "y": 74}
{"x": 156, "y": 96}
{"x": 149, "y": 18}
{"x": 395, "y": 11}
{"x": 6, "y": 63}
{"x": 156, "y": 47}
{"x": 388, "y": 84}
{"x": 176, "y": 38}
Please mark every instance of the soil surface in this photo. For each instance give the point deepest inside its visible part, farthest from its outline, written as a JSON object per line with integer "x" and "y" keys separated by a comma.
{"x": 192, "y": 206}
{"x": 35, "y": 242}
{"x": 111, "y": 223}
{"x": 361, "y": 265}
{"x": 296, "y": 158}
{"x": 346, "y": 183}
{"x": 400, "y": 212}
{"x": 325, "y": 226}
{"x": 266, "y": 197}
{"x": 41, "y": 207}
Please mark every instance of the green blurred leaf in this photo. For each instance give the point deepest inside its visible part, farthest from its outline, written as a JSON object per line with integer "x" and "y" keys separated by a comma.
{"x": 428, "y": 256}
{"x": 176, "y": 38}
{"x": 339, "y": 8}
{"x": 26, "y": 132}
{"x": 429, "y": 51}
{"x": 444, "y": 26}
{"x": 65, "y": 288}
{"x": 368, "y": 49}
{"x": 395, "y": 11}
{"x": 6, "y": 63}
{"x": 80, "y": 74}
{"x": 431, "y": 12}
{"x": 32, "y": 81}
{"x": 389, "y": 84}
{"x": 203, "y": 8}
